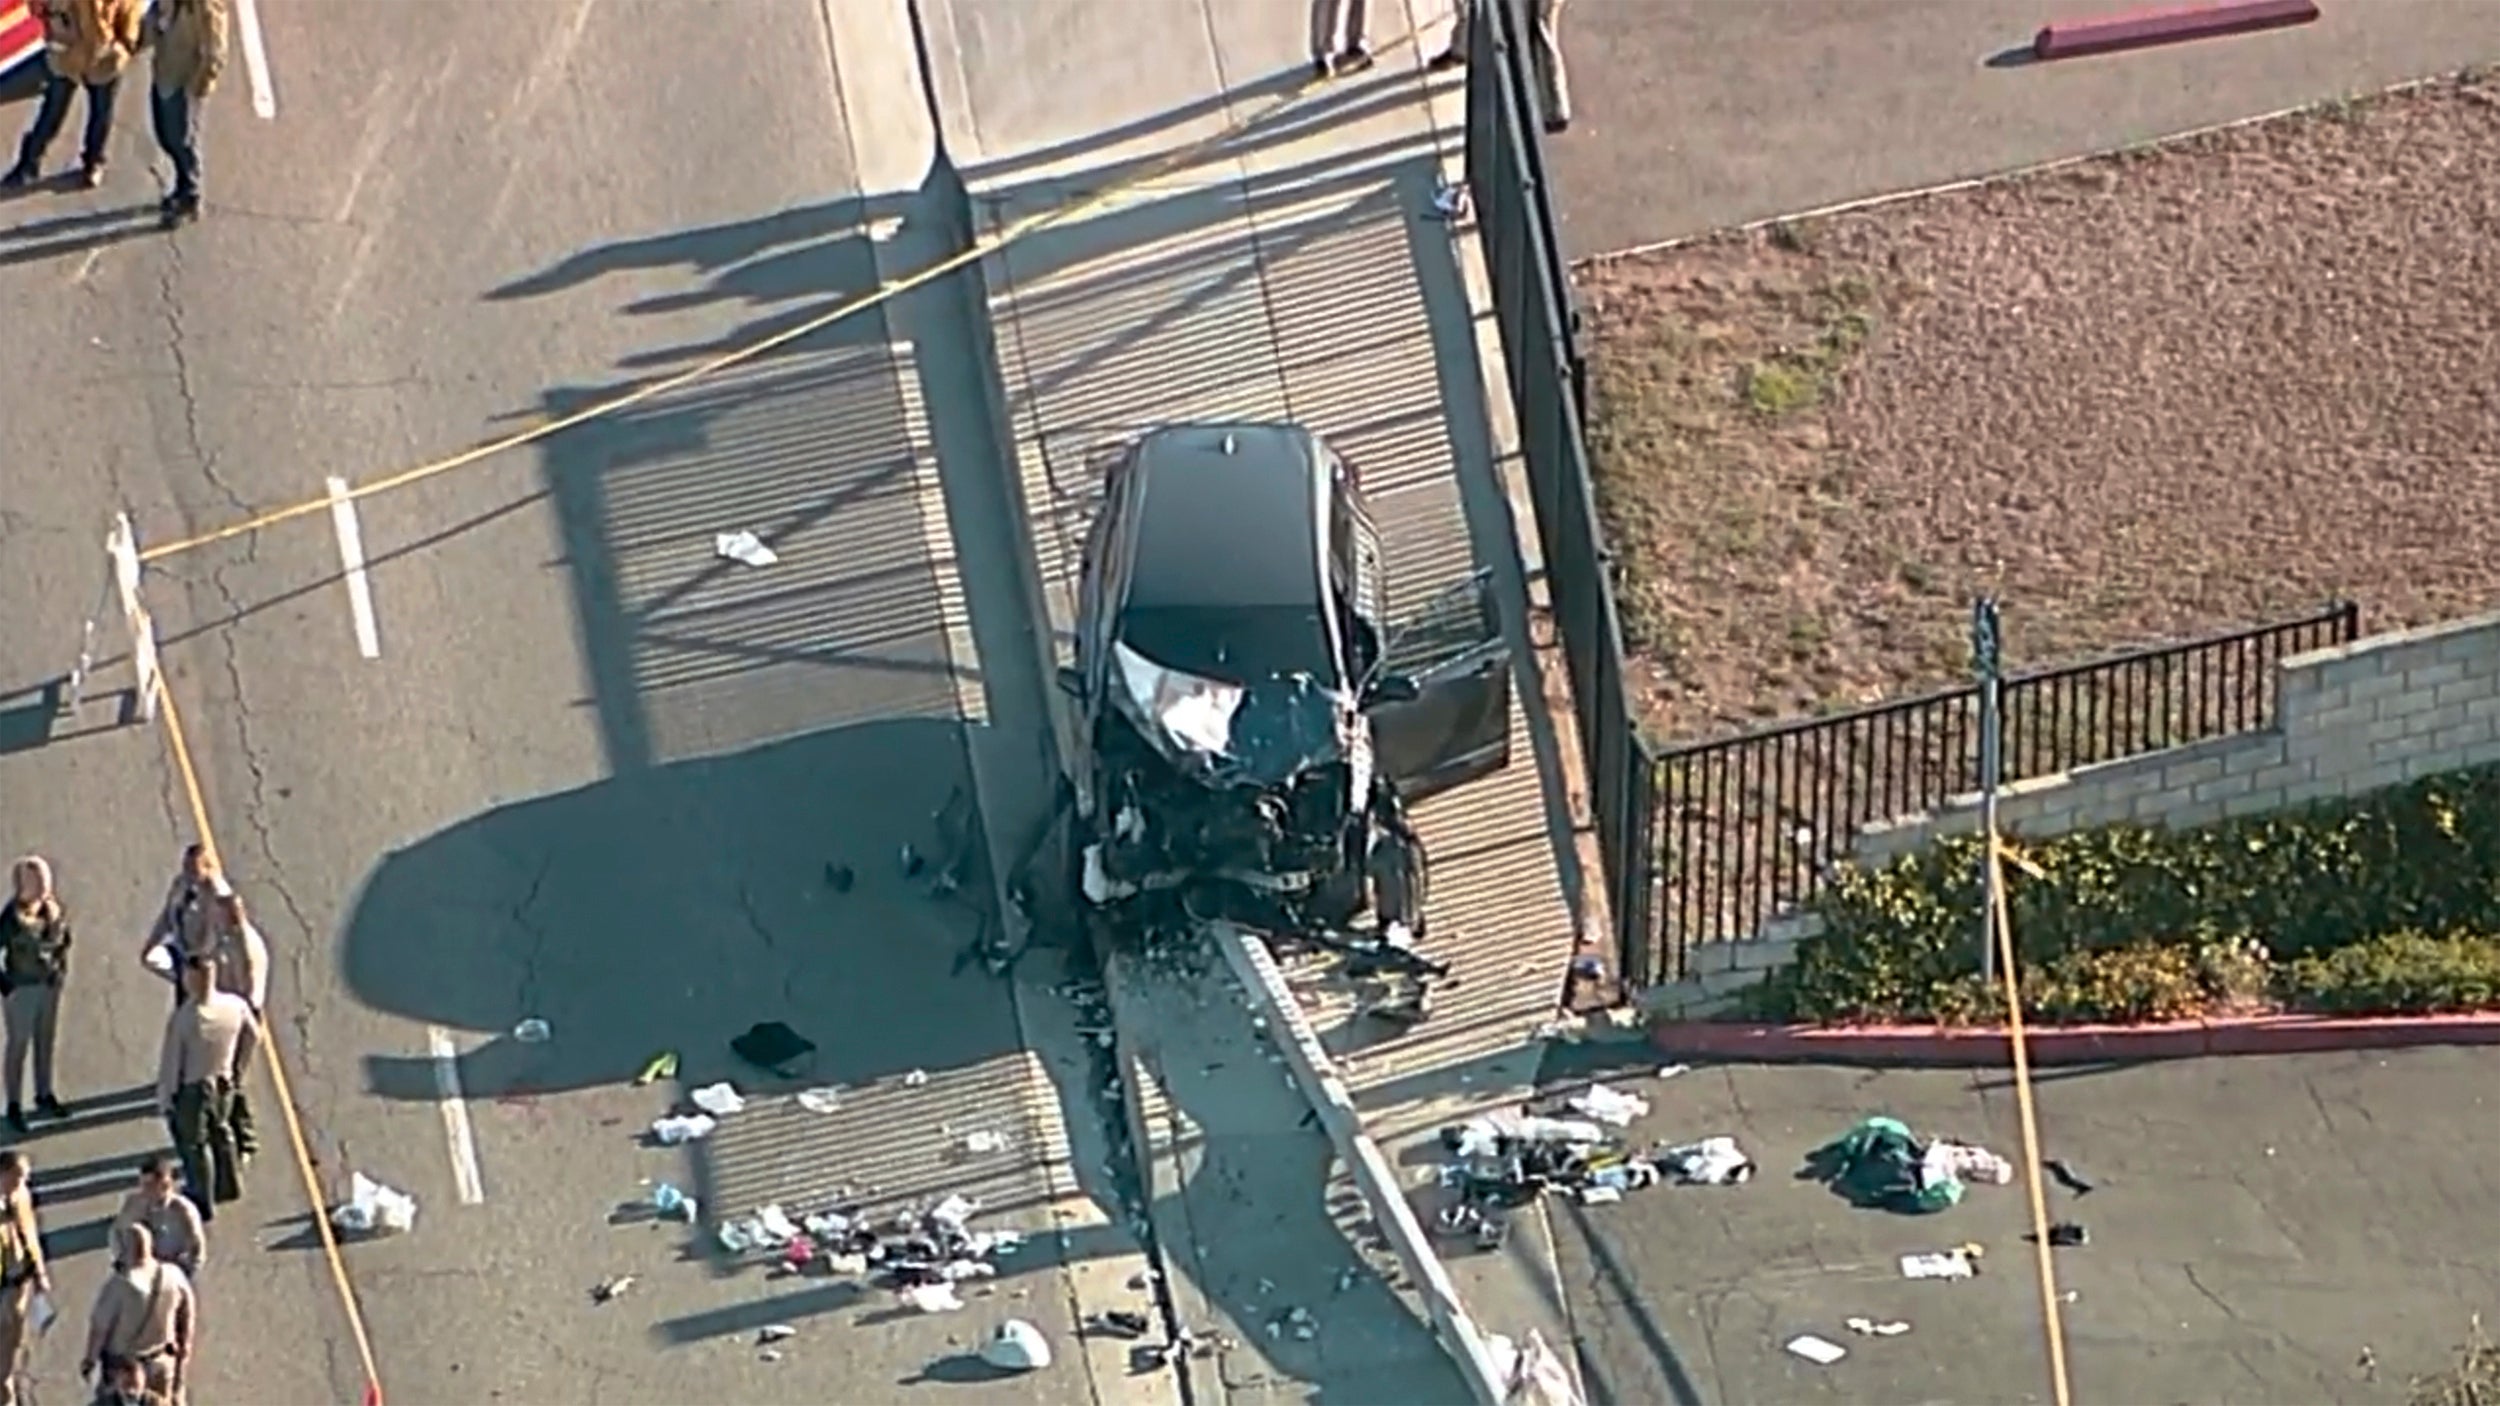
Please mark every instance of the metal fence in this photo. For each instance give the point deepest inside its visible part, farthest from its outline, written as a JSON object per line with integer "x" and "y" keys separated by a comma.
{"x": 1534, "y": 310}
{"x": 1747, "y": 825}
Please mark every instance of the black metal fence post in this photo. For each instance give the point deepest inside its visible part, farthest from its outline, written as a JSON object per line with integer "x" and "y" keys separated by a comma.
{"x": 1535, "y": 315}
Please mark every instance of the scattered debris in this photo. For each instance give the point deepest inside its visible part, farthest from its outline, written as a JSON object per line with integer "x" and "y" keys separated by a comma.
{"x": 773, "y": 1046}
{"x": 1017, "y": 1346}
{"x": 1713, "y": 1161}
{"x": 775, "y": 1332}
{"x": 2068, "y": 1235}
{"x": 1119, "y": 1323}
{"x": 1532, "y": 1374}
{"x": 744, "y": 548}
{"x": 1822, "y": 1352}
{"x": 1881, "y": 1163}
{"x": 374, "y": 1209}
{"x": 667, "y": 1200}
{"x": 532, "y": 1031}
{"x": 1672, "y": 1071}
{"x": 981, "y": 1142}
{"x": 1450, "y": 202}
{"x": 719, "y": 1100}
{"x": 2066, "y": 1176}
{"x": 826, "y": 1099}
{"x": 659, "y": 1066}
{"x": 915, "y": 1078}
{"x": 678, "y": 1128}
{"x": 612, "y": 1290}
{"x": 1960, "y": 1262}
{"x": 1609, "y": 1105}
{"x": 932, "y": 1298}
{"x": 1869, "y": 1328}
{"x": 770, "y": 1354}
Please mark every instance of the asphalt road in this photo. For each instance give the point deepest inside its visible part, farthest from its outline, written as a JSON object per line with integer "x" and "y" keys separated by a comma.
{"x": 594, "y": 776}
{"x": 1694, "y": 114}
{"x": 2278, "y": 1229}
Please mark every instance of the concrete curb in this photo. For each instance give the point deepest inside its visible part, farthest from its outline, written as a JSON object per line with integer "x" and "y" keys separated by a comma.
{"x": 2069, "y": 1044}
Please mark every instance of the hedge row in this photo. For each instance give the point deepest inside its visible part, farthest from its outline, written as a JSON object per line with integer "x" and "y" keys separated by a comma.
{"x": 2379, "y": 904}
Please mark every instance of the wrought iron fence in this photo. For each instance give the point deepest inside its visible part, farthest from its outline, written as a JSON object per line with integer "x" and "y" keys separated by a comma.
{"x": 1533, "y": 308}
{"x": 1748, "y": 825}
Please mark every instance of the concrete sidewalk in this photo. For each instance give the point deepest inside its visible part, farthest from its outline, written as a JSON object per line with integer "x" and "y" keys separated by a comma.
{"x": 1279, "y": 261}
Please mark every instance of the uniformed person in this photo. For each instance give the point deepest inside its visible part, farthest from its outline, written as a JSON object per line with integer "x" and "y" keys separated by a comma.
{"x": 241, "y": 956}
{"x": 145, "y": 1315}
{"x": 1545, "y": 58}
{"x": 174, "y": 1224}
{"x": 34, "y": 965}
{"x": 204, "y": 1038}
{"x": 23, "y": 1273}
{"x": 182, "y": 924}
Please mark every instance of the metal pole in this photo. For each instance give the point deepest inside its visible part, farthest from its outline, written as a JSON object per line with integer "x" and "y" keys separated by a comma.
{"x": 1987, "y": 661}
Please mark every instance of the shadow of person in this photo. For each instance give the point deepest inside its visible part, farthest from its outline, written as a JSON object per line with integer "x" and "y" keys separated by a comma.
{"x": 672, "y": 909}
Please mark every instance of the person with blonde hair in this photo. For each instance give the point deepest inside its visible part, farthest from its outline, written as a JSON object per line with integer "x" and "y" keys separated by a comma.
{"x": 34, "y": 965}
{"x": 23, "y": 1272}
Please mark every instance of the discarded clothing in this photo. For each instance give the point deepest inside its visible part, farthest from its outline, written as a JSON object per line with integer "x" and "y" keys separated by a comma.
{"x": 1609, "y": 1105}
{"x": 1017, "y": 1346}
{"x": 1881, "y": 1163}
{"x": 1713, "y": 1161}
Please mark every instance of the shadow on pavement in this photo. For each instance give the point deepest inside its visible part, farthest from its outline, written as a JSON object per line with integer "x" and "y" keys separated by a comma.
{"x": 778, "y": 736}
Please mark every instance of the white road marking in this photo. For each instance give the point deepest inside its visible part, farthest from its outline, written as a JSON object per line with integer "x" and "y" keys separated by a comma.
{"x": 255, "y": 59}
{"x": 455, "y": 1117}
{"x": 352, "y": 562}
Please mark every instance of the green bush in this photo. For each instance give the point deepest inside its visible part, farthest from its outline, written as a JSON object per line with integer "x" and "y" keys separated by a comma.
{"x": 2323, "y": 907}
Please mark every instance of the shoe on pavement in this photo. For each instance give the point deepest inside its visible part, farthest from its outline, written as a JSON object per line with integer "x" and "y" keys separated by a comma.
{"x": 50, "y": 1107}
{"x": 19, "y": 177}
{"x": 1354, "y": 60}
{"x": 17, "y": 1120}
{"x": 1446, "y": 60}
{"x": 90, "y": 176}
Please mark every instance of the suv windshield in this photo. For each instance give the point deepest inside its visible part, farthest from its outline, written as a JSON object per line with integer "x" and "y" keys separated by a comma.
{"x": 1233, "y": 644}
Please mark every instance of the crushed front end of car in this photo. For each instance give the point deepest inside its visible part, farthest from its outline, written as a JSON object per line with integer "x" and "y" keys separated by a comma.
{"x": 1266, "y": 789}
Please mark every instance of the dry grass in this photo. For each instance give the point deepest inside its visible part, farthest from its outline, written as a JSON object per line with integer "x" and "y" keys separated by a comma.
{"x": 2146, "y": 397}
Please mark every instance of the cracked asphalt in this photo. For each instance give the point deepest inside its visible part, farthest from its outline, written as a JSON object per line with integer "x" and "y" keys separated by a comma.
{"x": 2300, "y": 1228}
{"x": 597, "y": 775}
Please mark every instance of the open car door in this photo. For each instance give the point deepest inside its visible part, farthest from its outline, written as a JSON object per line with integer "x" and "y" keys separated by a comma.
{"x": 1456, "y": 726}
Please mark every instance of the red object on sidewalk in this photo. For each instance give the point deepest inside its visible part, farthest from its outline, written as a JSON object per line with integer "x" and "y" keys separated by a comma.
{"x": 2068, "y": 39}
{"x": 21, "y": 34}
{"x": 373, "y": 1394}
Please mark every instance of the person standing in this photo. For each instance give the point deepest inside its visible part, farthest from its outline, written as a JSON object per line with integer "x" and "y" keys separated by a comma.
{"x": 23, "y": 1273}
{"x": 173, "y": 1223}
{"x": 145, "y": 1314}
{"x": 1553, "y": 80}
{"x": 190, "y": 57}
{"x": 86, "y": 44}
{"x": 240, "y": 956}
{"x": 1340, "y": 42}
{"x": 195, "y": 1083}
{"x": 182, "y": 924}
{"x": 34, "y": 965}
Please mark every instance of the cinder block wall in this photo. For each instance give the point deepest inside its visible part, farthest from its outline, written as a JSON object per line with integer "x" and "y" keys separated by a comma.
{"x": 2355, "y": 718}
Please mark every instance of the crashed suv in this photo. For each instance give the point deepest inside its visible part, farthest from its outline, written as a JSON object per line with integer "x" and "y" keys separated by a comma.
{"x": 1255, "y": 717}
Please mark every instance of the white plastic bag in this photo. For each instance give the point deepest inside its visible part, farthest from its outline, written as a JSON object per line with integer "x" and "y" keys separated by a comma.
{"x": 374, "y": 1208}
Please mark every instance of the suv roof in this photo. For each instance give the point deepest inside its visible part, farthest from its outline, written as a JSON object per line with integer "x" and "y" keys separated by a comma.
{"x": 1225, "y": 579}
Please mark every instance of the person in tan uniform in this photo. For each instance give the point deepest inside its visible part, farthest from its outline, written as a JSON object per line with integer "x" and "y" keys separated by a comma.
{"x": 204, "y": 1038}
{"x": 144, "y": 1314}
{"x": 86, "y": 44}
{"x": 23, "y": 1272}
{"x": 241, "y": 957}
{"x": 190, "y": 56}
{"x": 182, "y": 924}
{"x": 174, "y": 1224}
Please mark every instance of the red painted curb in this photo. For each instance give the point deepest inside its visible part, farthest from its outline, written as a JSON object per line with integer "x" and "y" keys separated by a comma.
{"x": 2066, "y": 1044}
{"x": 2068, "y": 39}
